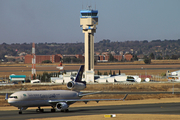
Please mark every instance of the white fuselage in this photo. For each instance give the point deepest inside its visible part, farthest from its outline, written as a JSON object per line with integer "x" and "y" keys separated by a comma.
{"x": 40, "y": 98}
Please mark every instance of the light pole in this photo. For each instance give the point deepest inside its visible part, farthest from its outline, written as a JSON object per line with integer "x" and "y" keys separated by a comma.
{"x": 173, "y": 86}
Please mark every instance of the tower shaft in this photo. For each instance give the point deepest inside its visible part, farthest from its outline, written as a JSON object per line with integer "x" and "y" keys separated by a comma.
{"x": 89, "y": 51}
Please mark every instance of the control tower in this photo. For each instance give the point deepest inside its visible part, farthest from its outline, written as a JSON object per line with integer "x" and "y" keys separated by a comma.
{"x": 88, "y": 22}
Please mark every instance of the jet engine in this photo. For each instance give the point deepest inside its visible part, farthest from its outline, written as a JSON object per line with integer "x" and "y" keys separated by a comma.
{"x": 61, "y": 106}
{"x": 76, "y": 85}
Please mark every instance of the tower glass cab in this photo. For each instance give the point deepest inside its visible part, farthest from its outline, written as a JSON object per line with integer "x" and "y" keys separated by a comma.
{"x": 88, "y": 22}
{"x": 89, "y": 13}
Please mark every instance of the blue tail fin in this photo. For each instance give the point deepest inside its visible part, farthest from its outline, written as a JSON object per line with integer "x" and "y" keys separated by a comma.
{"x": 79, "y": 75}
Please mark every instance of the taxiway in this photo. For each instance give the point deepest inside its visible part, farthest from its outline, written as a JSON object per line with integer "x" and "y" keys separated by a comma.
{"x": 159, "y": 108}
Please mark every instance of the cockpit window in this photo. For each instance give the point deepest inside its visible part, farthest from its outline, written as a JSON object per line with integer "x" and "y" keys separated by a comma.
{"x": 13, "y": 97}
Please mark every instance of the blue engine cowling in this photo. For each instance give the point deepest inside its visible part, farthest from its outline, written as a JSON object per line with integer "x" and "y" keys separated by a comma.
{"x": 61, "y": 106}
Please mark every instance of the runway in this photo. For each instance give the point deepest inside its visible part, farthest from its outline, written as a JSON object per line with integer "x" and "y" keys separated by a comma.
{"x": 160, "y": 108}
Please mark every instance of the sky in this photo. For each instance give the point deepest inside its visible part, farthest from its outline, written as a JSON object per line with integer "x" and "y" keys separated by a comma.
{"x": 58, "y": 21}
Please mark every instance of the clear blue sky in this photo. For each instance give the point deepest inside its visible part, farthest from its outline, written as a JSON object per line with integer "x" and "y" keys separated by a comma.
{"x": 59, "y": 20}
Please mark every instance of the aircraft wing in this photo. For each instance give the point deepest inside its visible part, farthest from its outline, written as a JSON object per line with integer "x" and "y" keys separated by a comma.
{"x": 84, "y": 100}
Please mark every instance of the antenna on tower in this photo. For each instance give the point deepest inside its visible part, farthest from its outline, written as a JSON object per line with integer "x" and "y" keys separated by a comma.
{"x": 89, "y": 7}
{"x": 33, "y": 61}
{"x": 95, "y": 5}
{"x": 82, "y": 4}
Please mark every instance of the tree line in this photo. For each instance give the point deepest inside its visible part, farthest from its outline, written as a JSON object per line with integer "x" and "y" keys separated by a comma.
{"x": 155, "y": 49}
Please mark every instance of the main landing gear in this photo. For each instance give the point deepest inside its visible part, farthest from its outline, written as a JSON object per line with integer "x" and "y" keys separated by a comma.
{"x": 39, "y": 110}
{"x": 42, "y": 110}
{"x": 20, "y": 111}
{"x": 53, "y": 109}
{"x": 66, "y": 110}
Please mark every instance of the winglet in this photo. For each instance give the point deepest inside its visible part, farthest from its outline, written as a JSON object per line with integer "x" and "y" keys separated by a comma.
{"x": 6, "y": 97}
{"x": 79, "y": 75}
{"x": 125, "y": 96}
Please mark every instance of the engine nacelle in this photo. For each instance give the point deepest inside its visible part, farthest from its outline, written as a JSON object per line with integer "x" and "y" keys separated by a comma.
{"x": 76, "y": 85}
{"x": 61, "y": 106}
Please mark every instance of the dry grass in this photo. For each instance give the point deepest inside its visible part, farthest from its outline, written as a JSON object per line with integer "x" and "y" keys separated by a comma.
{"x": 25, "y": 69}
{"x": 142, "y": 62}
{"x": 99, "y": 87}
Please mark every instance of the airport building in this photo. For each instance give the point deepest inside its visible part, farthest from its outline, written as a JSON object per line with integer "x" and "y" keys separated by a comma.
{"x": 40, "y": 58}
{"x": 17, "y": 78}
{"x": 173, "y": 76}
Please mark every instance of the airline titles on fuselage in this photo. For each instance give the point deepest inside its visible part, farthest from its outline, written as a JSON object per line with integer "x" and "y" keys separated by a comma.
{"x": 42, "y": 95}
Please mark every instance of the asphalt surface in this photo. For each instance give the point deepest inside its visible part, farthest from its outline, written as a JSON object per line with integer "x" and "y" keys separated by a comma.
{"x": 161, "y": 108}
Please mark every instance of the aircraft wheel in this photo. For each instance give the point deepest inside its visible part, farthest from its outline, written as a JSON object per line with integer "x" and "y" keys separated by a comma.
{"x": 41, "y": 110}
{"x": 53, "y": 110}
{"x": 67, "y": 110}
{"x": 20, "y": 112}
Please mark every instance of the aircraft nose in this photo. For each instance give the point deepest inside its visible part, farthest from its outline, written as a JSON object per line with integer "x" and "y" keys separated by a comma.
{"x": 9, "y": 101}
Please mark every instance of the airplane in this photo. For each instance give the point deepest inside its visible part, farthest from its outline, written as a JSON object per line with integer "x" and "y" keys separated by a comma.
{"x": 59, "y": 100}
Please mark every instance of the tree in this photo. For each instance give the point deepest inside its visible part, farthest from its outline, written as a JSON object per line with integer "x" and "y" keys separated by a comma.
{"x": 151, "y": 56}
{"x": 119, "y": 72}
{"x": 111, "y": 58}
{"x": 174, "y": 57}
{"x": 34, "y": 77}
{"x": 135, "y": 57}
{"x": 64, "y": 72}
{"x": 44, "y": 77}
{"x": 147, "y": 61}
{"x": 145, "y": 57}
{"x": 95, "y": 62}
{"x": 114, "y": 73}
{"x": 110, "y": 72}
{"x": 67, "y": 60}
{"x": 105, "y": 73}
{"x": 159, "y": 57}
{"x": 46, "y": 61}
{"x": 166, "y": 57}
{"x": 99, "y": 73}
